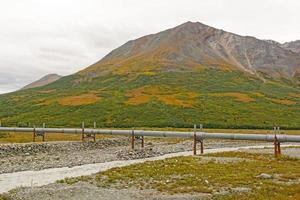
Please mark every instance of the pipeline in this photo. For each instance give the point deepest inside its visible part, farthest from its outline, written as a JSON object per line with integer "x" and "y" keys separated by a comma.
{"x": 175, "y": 134}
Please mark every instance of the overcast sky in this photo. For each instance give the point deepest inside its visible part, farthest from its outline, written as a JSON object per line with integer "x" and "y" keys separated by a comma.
{"x": 38, "y": 37}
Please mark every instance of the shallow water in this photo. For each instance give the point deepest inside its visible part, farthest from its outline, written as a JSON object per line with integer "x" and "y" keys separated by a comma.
{"x": 10, "y": 181}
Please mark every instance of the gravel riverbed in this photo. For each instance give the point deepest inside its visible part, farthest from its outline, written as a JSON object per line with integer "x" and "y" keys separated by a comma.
{"x": 38, "y": 156}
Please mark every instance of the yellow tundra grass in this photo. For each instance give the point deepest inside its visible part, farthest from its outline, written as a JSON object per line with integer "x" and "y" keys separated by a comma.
{"x": 282, "y": 101}
{"x": 166, "y": 95}
{"x": 82, "y": 99}
{"x": 79, "y": 100}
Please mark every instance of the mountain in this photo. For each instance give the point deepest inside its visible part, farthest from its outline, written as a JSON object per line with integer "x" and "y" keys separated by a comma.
{"x": 196, "y": 44}
{"x": 293, "y": 46}
{"x": 189, "y": 74}
{"x": 45, "y": 80}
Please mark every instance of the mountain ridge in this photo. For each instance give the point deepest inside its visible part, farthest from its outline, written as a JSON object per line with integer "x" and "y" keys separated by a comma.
{"x": 198, "y": 44}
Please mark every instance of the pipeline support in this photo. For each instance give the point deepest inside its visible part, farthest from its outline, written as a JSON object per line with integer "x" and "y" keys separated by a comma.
{"x": 135, "y": 138}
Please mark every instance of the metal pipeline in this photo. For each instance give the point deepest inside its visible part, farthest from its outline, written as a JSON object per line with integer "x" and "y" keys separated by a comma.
{"x": 175, "y": 134}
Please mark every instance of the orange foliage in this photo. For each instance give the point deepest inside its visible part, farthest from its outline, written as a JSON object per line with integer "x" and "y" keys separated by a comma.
{"x": 172, "y": 100}
{"x": 242, "y": 97}
{"x": 137, "y": 100}
{"x": 166, "y": 95}
{"x": 282, "y": 101}
{"x": 279, "y": 101}
{"x": 258, "y": 94}
{"x": 294, "y": 95}
{"x": 83, "y": 99}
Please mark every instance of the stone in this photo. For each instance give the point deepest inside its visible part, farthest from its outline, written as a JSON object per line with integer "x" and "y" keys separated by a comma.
{"x": 265, "y": 176}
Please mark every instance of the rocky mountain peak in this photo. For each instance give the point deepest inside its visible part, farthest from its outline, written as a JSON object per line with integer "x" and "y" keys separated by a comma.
{"x": 193, "y": 44}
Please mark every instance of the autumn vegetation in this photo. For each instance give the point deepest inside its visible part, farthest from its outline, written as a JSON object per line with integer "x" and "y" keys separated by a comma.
{"x": 215, "y": 98}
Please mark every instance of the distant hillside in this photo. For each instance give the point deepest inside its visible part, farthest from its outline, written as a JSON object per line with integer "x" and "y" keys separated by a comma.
{"x": 189, "y": 74}
{"x": 45, "y": 80}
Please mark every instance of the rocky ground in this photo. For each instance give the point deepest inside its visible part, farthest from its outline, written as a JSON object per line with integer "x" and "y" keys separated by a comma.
{"x": 21, "y": 157}
{"x": 82, "y": 190}
{"x": 37, "y": 156}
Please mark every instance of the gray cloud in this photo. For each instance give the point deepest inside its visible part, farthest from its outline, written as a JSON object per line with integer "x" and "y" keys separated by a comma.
{"x": 64, "y": 36}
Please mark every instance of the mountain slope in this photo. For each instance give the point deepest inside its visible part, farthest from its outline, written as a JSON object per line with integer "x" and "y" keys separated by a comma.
{"x": 195, "y": 44}
{"x": 45, "y": 80}
{"x": 190, "y": 74}
{"x": 293, "y": 46}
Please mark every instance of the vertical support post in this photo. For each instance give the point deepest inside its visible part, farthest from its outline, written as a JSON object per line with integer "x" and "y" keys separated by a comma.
{"x": 132, "y": 138}
{"x": 202, "y": 141}
{"x": 201, "y": 146}
{"x": 278, "y": 143}
{"x": 44, "y": 125}
{"x": 195, "y": 140}
{"x": 143, "y": 142}
{"x": 95, "y": 126}
{"x": 33, "y": 139}
{"x": 82, "y": 133}
{"x": 275, "y": 146}
{"x": 278, "y": 148}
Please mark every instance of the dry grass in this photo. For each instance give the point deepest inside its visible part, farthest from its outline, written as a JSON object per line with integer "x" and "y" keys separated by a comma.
{"x": 295, "y": 95}
{"x": 173, "y": 100}
{"x": 242, "y": 97}
{"x": 83, "y": 99}
{"x": 258, "y": 94}
{"x": 166, "y": 95}
{"x": 282, "y": 101}
{"x": 197, "y": 175}
{"x": 149, "y": 73}
{"x": 27, "y": 137}
{"x": 137, "y": 100}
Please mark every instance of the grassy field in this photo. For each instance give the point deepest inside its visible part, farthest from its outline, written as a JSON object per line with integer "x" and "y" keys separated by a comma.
{"x": 27, "y": 137}
{"x": 199, "y": 175}
{"x": 215, "y": 98}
